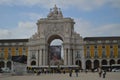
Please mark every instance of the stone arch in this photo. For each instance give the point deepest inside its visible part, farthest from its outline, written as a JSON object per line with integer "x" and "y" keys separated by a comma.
{"x": 78, "y": 62}
{"x": 96, "y": 64}
{"x": 118, "y": 62}
{"x": 9, "y": 64}
{"x": 104, "y": 62}
{"x": 112, "y": 62}
{"x": 88, "y": 64}
{"x": 33, "y": 63}
{"x": 2, "y": 64}
{"x": 51, "y": 28}
{"x": 50, "y": 38}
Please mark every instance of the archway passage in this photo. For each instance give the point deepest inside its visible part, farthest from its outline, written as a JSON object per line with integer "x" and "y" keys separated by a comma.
{"x": 55, "y": 50}
{"x": 96, "y": 64}
{"x": 78, "y": 62}
{"x": 88, "y": 64}
{"x": 112, "y": 62}
{"x": 33, "y": 63}
{"x": 118, "y": 62}
{"x": 104, "y": 62}
{"x": 2, "y": 64}
{"x": 9, "y": 64}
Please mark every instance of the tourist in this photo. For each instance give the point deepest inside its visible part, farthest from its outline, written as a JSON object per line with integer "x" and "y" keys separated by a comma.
{"x": 100, "y": 73}
{"x": 76, "y": 71}
{"x": 70, "y": 73}
{"x": 104, "y": 74}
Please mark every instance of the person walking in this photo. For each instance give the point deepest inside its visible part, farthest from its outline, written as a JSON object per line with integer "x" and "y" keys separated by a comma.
{"x": 100, "y": 73}
{"x": 104, "y": 74}
{"x": 76, "y": 71}
{"x": 70, "y": 73}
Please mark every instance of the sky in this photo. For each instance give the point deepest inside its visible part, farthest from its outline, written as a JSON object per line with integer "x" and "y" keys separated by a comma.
{"x": 93, "y": 18}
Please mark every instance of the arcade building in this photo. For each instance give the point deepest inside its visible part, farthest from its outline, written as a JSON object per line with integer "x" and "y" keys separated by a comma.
{"x": 87, "y": 53}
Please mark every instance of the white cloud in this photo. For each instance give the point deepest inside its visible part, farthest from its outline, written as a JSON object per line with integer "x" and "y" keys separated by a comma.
{"x": 4, "y": 33}
{"x": 33, "y": 16}
{"x": 87, "y": 29}
{"x": 23, "y": 30}
{"x": 80, "y": 4}
{"x": 84, "y": 28}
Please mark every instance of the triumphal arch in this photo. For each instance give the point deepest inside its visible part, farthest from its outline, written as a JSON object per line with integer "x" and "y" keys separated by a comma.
{"x": 55, "y": 26}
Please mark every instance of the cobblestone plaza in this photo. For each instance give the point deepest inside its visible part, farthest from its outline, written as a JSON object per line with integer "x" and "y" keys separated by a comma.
{"x": 81, "y": 76}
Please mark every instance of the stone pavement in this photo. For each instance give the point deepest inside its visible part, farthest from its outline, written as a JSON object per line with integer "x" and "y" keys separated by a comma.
{"x": 82, "y": 76}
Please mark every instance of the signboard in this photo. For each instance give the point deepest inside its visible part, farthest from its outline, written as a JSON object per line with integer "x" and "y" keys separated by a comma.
{"x": 20, "y": 59}
{"x": 55, "y": 55}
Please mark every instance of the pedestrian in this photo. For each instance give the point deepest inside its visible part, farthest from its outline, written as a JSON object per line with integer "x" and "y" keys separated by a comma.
{"x": 104, "y": 74}
{"x": 70, "y": 73}
{"x": 100, "y": 73}
{"x": 76, "y": 71}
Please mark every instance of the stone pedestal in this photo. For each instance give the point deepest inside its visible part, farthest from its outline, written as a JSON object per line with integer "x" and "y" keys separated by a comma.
{"x": 19, "y": 68}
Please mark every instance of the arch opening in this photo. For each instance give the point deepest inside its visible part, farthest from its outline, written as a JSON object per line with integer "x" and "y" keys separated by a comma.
{"x": 112, "y": 62}
{"x": 104, "y": 62}
{"x": 9, "y": 64}
{"x": 96, "y": 64}
{"x": 78, "y": 62}
{"x": 88, "y": 64}
{"x": 2, "y": 64}
{"x": 118, "y": 62}
{"x": 33, "y": 63}
{"x": 55, "y": 50}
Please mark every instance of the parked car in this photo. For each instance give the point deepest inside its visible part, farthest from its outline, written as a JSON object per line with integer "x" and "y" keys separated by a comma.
{"x": 5, "y": 70}
{"x": 115, "y": 70}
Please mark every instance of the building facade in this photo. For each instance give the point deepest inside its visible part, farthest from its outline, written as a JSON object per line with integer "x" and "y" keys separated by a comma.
{"x": 88, "y": 52}
{"x": 9, "y": 48}
{"x": 55, "y": 26}
{"x": 100, "y": 51}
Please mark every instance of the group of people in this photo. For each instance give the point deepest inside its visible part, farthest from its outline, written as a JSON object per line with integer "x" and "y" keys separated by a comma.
{"x": 76, "y": 71}
{"x": 102, "y": 73}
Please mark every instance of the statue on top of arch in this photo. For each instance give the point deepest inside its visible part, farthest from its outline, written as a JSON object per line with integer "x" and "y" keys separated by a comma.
{"x": 55, "y": 13}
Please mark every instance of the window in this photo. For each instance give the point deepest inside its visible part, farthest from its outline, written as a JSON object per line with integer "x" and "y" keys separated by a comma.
{"x": 1, "y": 55}
{"x": 78, "y": 54}
{"x": 2, "y": 49}
{"x": 118, "y": 46}
{"x": 95, "y": 54}
{"x": 24, "y": 51}
{"x": 17, "y": 52}
{"x": 119, "y": 54}
{"x": 9, "y": 49}
{"x": 103, "y": 54}
{"x": 87, "y": 47}
{"x": 95, "y": 46}
{"x": 9, "y": 55}
{"x": 24, "y": 48}
{"x": 88, "y": 54}
{"x": 16, "y": 49}
{"x": 111, "y": 54}
{"x": 33, "y": 55}
{"x": 103, "y": 46}
{"x": 111, "y": 46}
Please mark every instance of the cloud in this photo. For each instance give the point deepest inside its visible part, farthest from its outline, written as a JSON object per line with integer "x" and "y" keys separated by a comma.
{"x": 83, "y": 27}
{"x": 80, "y": 4}
{"x": 33, "y": 16}
{"x": 23, "y": 30}
{"x": 88, "y": 29}
{"x": 4, "y": 33}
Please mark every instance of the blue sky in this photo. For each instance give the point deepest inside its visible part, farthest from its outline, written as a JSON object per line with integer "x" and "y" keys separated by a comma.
{"x": 92, "y": 17}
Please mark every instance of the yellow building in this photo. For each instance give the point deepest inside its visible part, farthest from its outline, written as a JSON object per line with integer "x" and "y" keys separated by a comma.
{"x": 100, "y": 51}
{"x": 9, "y": 48}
